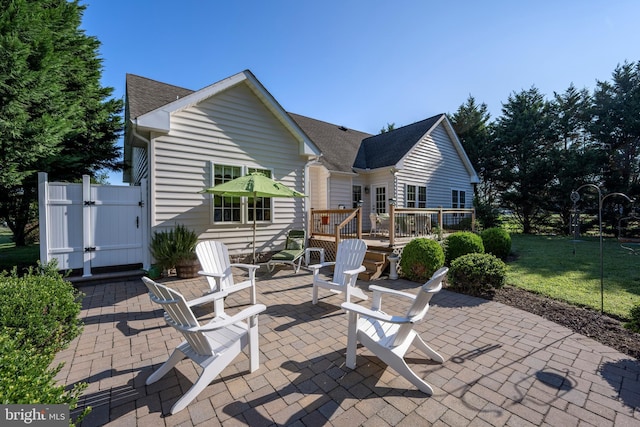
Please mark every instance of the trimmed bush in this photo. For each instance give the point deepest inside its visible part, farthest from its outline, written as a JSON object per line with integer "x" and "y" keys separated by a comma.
{"x": 477, "y": 274}
{"x": 462, "y": 243}
{"x": 42, "y": 306}
{"x": 497, "y": 242}
{"x": 26, "y": 376}
{"x": 38, "y": 317}
{"x": 634, "y": 315}
{"x": 421, "y": 258}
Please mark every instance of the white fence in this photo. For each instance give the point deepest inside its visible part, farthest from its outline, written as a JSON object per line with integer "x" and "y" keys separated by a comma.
{"x": 86, "y": 226}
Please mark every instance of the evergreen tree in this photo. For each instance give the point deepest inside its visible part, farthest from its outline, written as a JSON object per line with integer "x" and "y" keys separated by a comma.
{"x": 54, "y": 115}
{"x": 523, "y": 140}
{"x": 472, "y": 125}
{"x": 575, "y": 158}
{"x": 616, "y": 125}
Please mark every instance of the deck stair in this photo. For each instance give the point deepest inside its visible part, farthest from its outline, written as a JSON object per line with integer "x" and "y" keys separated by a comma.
{"x": 375, "y": 262}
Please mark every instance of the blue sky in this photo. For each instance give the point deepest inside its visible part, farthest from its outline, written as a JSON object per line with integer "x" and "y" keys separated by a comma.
{"x": 363, "y": 64}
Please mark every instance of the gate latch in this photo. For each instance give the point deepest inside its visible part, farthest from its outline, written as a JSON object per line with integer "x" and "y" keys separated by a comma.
{"x": 90, "y": 249}
{"x": 89, "y": 202}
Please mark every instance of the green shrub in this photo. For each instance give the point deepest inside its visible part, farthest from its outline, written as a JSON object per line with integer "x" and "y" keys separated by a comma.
{"x": 462, "y": 243}
{"x": 634, "y": 315}
{"x": 477, "y": 274}
{"x": 42, "y": 306}
{"x": 26, "y": 376}
{"x": 38, "y": 317}
{"x": 497, "y": 242}
{"x": 421, "y": 258}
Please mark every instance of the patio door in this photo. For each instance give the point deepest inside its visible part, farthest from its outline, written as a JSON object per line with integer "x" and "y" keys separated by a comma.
{"x": 379, "y": 199}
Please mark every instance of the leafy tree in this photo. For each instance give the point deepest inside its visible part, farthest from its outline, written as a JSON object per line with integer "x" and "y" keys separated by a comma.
{"x": 54, "y": 115}
{"x": 472, "y": 125}
{"x": 616, "y": 124}
{"x": 523, "y": 141}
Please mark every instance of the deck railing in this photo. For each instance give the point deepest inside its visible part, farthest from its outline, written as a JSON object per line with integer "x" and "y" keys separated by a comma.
{"x": 343, "y": 224}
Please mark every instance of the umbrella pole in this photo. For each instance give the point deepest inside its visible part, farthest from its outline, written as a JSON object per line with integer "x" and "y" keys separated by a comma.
{"x": 254, "y": 228}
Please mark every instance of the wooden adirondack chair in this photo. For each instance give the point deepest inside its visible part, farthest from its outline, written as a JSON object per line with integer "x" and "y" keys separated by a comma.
{"x": 212, "y": 346}
{"x": 347, "y": 266}
{"x": 389, "y": 337}
{"x": 216, "y": 267}
{"x": 293, "y": 251}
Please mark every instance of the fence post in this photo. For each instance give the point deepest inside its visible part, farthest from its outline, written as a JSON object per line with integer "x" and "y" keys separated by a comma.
{"x": 86, "y": 226}
{"x": 392, "y": 224}
{"x": 43, "y": 205}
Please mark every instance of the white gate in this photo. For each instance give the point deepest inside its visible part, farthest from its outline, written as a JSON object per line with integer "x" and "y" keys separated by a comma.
{"x": 88, "y": 226}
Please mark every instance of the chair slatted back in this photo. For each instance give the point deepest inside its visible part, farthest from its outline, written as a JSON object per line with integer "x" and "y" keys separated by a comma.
{"x": 420, "y": 305}
{"x": 214, "y": 258}
{"x": 351, "y": 253}
{"x": 179, "y": 315}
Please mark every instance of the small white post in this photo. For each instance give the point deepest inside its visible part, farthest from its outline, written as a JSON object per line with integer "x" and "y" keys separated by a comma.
{"x": 393, "y": 271}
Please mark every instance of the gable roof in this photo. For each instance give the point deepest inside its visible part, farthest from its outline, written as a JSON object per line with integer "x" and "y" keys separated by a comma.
{"x": 387, "y": 149}
{"x": 338, "y": 144}
{"x": 145, "y": 95}
{"x": 150, "y": 104}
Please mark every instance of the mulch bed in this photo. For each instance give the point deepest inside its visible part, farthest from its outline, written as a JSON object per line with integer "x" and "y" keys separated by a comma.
{"x": 591, "y": 323}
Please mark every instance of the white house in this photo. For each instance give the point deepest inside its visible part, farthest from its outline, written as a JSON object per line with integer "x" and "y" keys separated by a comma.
{"x": 183, "y": 141}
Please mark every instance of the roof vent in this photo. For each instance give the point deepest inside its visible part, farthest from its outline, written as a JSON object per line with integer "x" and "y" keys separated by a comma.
{"x": 343, "y": 129}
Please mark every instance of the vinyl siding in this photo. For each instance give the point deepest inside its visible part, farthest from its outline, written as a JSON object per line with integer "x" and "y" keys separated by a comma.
{"x": 339, "y": 191}
{"x": 434, "y": 162}
{"x": 231, "y": 128}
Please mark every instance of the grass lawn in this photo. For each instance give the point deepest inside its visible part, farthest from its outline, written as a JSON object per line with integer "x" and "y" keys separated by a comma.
{"x": 561, "y": 269}
{"x": 11, "y": 256}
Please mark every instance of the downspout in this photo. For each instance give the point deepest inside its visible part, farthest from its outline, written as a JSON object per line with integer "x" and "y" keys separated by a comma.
{"x": 146, "y": 186}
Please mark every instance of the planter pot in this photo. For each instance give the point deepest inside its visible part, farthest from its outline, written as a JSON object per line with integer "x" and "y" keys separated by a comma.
{"x": 188, "y": 269}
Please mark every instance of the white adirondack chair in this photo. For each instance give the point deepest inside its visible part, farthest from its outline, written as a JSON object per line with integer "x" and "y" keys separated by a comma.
{"x": 216, "y": 267}
{"x": 212, "y": 346}
{"x": 347, "y": 266}
{"x": 389, "y": 337}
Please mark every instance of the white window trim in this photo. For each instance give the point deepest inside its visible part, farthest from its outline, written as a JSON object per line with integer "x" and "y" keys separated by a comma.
{"x": 244, "y": 201}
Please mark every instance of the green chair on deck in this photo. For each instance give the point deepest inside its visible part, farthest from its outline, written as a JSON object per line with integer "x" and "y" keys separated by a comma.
{"x": 293, "y": 251}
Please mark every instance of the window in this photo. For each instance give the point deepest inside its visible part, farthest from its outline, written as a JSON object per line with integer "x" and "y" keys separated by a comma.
{"x": 263, "y": 204}
{"x": 229, "y": 209}
{"x": 356, "y": 195}
{"x": 226, "y": 209}
{"x": 458, "y": 200}
{"x": 416, "y": 196}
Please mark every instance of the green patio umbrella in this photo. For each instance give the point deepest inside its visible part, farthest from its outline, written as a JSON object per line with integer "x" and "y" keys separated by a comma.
{"x": 253, "y": 185}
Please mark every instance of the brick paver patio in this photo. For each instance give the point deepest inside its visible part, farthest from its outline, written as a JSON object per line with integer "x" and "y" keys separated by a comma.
{"x": 502, "y": 366}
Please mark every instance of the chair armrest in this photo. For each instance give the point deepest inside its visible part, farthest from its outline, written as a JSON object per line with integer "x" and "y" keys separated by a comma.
{"x": 355, "y": 270}
{"x": 378, "y": 315}
{"x": 218, "y": 323}
{"x": 319, "y": 266}
{"x": 378, "y": 291}
{"x": 382, "y": 290}
{"x": 207, "y": 298}
{"x": 246, "y": 266}
{"x": 207, "y": 273}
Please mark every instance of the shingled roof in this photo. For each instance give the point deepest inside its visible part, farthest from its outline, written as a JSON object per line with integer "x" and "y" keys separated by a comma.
{"x": 388, "y": 148}
{"x": 144, "y": 95}
{"x": 338, "y": 144}
{"x": 342, "y": 148}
